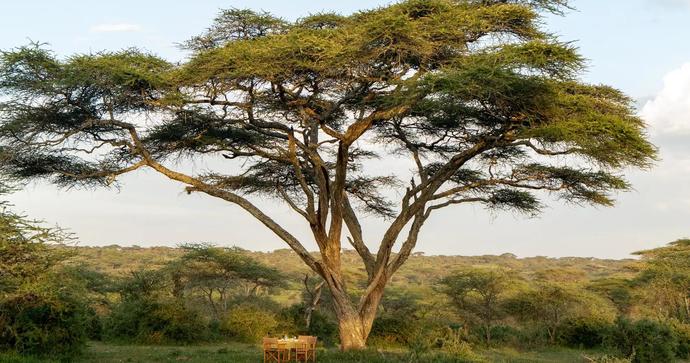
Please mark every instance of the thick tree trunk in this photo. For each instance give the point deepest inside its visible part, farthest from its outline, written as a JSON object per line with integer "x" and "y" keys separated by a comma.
{"x": 353, "y": 334}
{"x": 352, "y": 328}
{"x": 355, "y": 322}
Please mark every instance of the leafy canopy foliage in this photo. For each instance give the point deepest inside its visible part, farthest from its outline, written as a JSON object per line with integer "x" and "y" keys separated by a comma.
{"x": 225, "y": 266}
{"x": 666, "y": 276}
{"x": 27, "y": 250}
{"x": 439, "y": 86}
{"x": 219, "y": 274}
{"x": 549, "y": 305}
{"x": 41, "y": 309}
{"x": 479, "y": 294}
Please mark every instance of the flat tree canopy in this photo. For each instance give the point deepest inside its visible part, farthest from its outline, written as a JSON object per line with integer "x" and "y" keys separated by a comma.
{"x": 484, "y": 104}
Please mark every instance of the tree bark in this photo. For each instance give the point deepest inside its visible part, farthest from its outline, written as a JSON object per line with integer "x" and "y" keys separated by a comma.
{"x": 353, "y": 335}
{"x": 355, "y": 321}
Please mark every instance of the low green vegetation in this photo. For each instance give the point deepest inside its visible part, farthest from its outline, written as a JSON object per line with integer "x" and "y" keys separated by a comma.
{"x": 241, "y": 353}
{"x": 202, "y": 303}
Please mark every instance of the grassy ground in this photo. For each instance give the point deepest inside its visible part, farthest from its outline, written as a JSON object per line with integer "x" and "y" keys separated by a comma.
{"x": 239, "y": 353}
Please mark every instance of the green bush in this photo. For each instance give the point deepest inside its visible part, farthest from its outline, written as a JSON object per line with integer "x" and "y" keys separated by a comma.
{"x": 646, "y": 341}
{"x": 151, "y": 321}
{"x": 506, "y": 335}
{"x": 522, "y": 337}
{"x": 324, "y": 328}
{"x": 248, "y": 323}
{"x": 36, "y": 324}
{"x": 390, "y": 331}
{"x": 180, "y": 323}
{"x": 14, "y": 357}
{"x": 321, "y": 325}
{"x": 584, "y": 332}
{"x": 682, "y": 333}
{"x": 418, "y": 334}
{"x": 94, "y": 325}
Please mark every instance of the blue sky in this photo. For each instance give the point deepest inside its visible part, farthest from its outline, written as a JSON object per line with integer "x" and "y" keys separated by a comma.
{"x": 639, "y": 46}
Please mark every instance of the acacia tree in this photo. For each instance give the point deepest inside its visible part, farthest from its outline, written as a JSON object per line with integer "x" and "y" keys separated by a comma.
{"x": 483, "y": 103}
{"x": 666, "y": 278}
{"x": 479, "y": 293}
{"x": 219, "y": 273}
{"x": 549, "y": 304}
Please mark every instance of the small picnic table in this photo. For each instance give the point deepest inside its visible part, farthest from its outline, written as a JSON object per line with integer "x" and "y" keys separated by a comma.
{"x": 288, "y": 343}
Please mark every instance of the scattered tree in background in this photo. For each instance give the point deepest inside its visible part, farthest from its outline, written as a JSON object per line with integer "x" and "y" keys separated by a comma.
{"x": 618, "y": 291}
{"x": 666, "y": 278}
{"x": 485, "y": 104}
{"x": 547, "y": 305}
{"x": 479, "y": 294}
{"x": 220, "y": 274}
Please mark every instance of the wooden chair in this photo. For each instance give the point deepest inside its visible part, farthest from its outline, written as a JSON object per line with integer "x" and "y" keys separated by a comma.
{"x": 306, "y": 348}
{"x": 302, "y": 348}
{"x": 311, "y": 353}
{"x": 272, "y": 351}
{"x": 283, "y": 347}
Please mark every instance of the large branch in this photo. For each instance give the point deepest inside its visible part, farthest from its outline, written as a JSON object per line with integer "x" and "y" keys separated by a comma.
{"x": 547, "y": 152}
{"x": 310, "y": 212}
{"x": 356, "y": 239}
{"x": 110, "y": 174}
{"x": 409, "y": 244}
{"x": 197, "y": 185}
{"x": 337, "y": 195}
{"x": 423, "y": 193}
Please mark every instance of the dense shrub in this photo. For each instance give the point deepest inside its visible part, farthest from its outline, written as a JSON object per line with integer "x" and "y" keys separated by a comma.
{"x": 584, "y": 332}
{"x": 321, "y": 325}
{"x": 94, "y": 325}
{"x": 324, "y": 328}
{"x": 682, "y": 333}
{"x": 645, "y": 341}
{"x": 41, "y": 308}
{"x": 39, "y": 324}
{"x": 151, "y": 321}
{"x": 181, "y": 324}
{"x": 249, "y": 323}
{"x": 521, "y": 337}
{"x": 404, "y": 321}
{"x": 506, "y": 335}
{"x": 417, "y": 333}
{"x": 393, "y": 331}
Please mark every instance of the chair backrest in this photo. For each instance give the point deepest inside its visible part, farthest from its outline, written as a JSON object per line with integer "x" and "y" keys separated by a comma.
{"x": 270, "y": 343}
{"x": 311, "y": 340}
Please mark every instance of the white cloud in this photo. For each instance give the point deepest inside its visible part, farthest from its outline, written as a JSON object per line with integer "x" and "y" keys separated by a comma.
{"x": 669, "y": 111}
{"x": 115, "y": 28}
